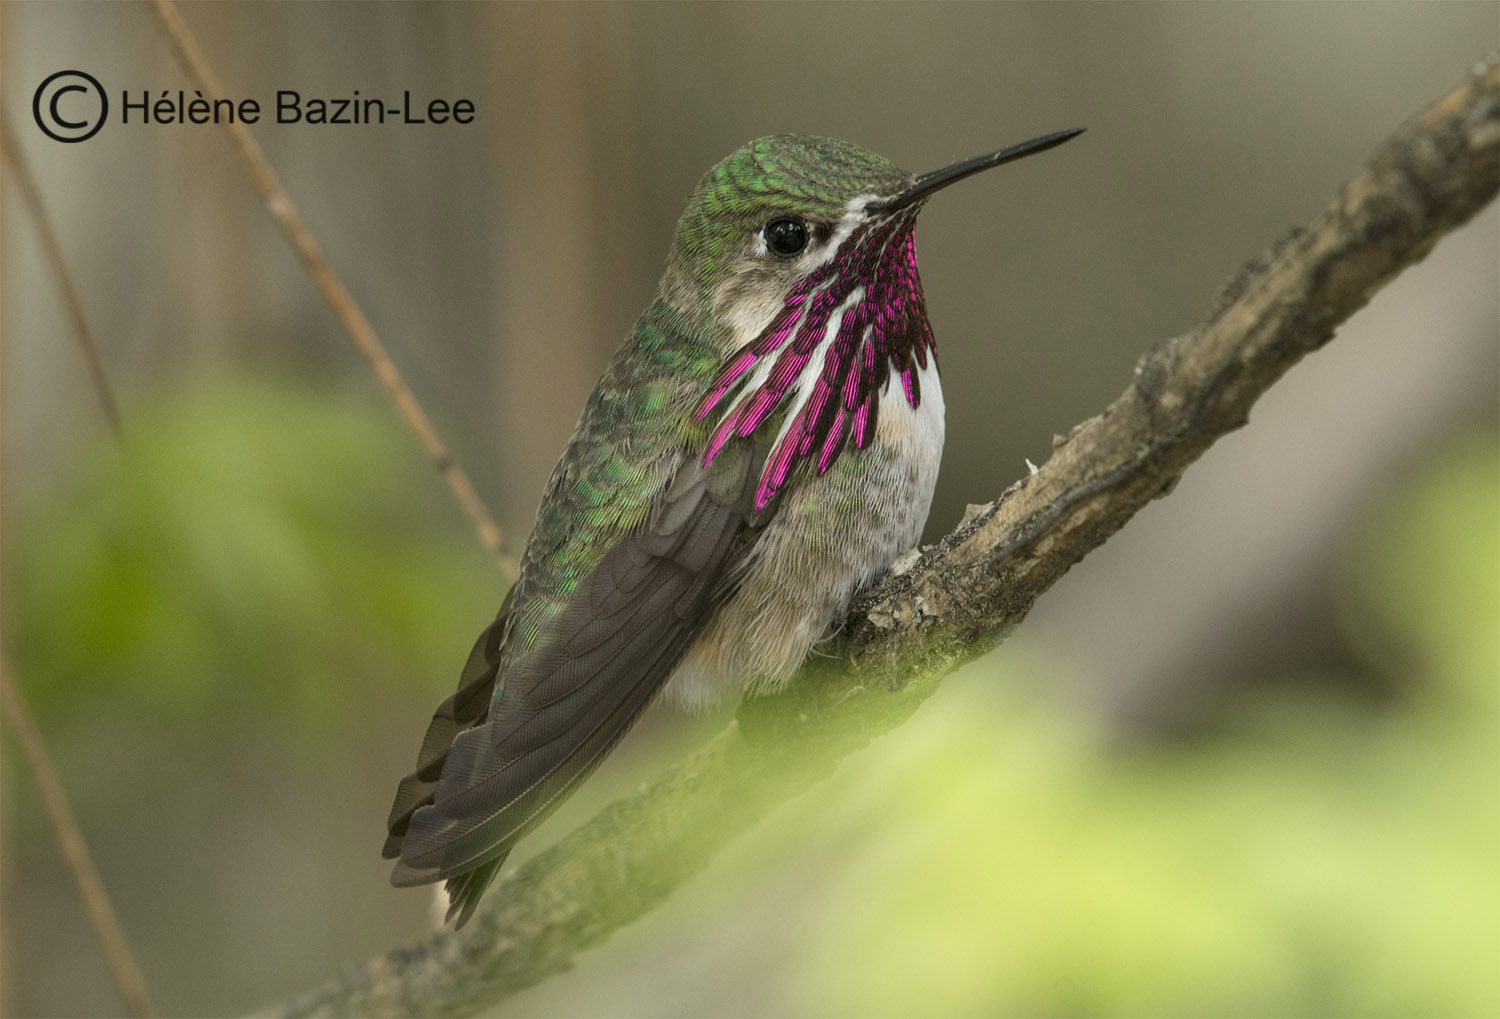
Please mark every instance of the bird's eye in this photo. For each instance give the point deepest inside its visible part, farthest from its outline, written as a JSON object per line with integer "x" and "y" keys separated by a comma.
{"x": 785, "y": 237}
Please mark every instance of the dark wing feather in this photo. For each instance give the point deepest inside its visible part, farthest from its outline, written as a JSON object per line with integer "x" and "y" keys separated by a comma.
{"x": 466, "y": 708}
{"x": 562, "y": 707}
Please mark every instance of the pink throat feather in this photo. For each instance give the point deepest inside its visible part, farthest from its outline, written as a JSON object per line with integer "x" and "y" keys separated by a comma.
{"x": 885, "y": 331}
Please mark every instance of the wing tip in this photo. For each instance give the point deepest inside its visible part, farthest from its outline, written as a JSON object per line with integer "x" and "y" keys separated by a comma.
{"x": 404, "y": 875}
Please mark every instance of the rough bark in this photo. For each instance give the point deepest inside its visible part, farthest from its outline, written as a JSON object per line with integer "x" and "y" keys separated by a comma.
{"x": 959, "y": 598}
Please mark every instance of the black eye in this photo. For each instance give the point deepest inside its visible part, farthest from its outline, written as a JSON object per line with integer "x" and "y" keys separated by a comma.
{"x": 786, "y": 237}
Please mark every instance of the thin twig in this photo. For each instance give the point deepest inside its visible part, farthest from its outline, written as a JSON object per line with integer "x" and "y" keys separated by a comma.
{"x": 122, "y": 966}
{"x": 966, "y": 593}
{"x": 285, "y": 214}
{"x": 52, "y": 252}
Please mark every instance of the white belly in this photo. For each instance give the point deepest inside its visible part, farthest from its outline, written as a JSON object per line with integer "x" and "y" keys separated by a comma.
{"x": 831, "y": 536}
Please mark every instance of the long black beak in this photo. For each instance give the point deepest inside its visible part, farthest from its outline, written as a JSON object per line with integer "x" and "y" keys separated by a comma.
{"x": 927, "y": 183}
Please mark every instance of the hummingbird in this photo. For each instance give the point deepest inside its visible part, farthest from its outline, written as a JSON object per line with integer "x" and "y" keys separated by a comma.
{"x": 761, "y": 447}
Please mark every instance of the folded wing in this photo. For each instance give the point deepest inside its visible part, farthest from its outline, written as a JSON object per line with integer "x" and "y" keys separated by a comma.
{"x": 522, "y": 731}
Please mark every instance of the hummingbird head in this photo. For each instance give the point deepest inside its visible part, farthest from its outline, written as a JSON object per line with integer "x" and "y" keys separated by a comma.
{"x": 798, "y": 253}
{"x": 765, "y": 218}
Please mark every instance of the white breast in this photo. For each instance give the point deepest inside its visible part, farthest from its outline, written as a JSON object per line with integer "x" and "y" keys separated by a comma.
{"x": 830, "y": 537}
{"x": 917, "y": 436}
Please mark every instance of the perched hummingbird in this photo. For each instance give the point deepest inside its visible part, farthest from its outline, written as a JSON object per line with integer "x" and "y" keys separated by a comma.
{"x": 761, "y": 447}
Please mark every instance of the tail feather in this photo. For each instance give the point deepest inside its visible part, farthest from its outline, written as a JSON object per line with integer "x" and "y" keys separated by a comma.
{"x": 467, "y": 708}
{"x": 464, "y": 890}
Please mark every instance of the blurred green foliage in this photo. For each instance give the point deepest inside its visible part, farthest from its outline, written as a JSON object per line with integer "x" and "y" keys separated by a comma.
{"x": 275, "y": 558}
{"x": 1315, "y": 854}
{"x": 263, "y": 547}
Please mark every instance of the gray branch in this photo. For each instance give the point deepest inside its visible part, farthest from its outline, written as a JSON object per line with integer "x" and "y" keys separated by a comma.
{"x": 962, "y": 596}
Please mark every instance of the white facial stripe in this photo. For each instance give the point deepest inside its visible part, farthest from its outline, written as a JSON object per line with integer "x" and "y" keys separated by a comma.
{"x": 803, "y": 386}
{"x": 756, "y": 379}
{"x": 749, "y": 316}
{"x": 853, "y": 216}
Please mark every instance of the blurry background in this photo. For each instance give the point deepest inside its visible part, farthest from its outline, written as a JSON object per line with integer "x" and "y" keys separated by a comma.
{"x": 1244, "y": 759}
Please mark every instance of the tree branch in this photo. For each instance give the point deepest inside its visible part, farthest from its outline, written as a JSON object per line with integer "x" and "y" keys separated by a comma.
{"x": 961, "y": 597}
